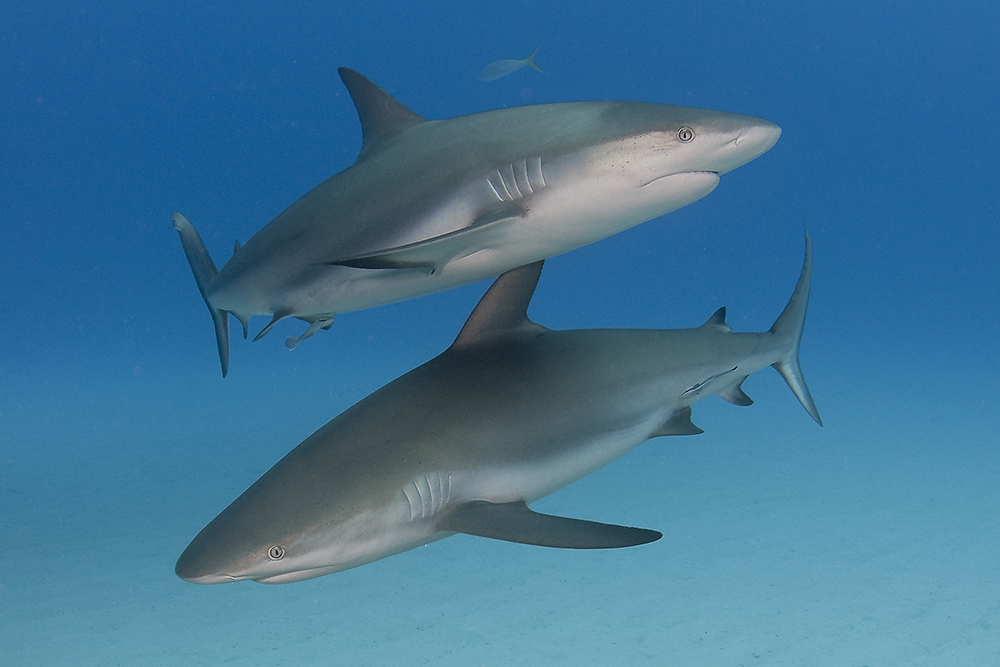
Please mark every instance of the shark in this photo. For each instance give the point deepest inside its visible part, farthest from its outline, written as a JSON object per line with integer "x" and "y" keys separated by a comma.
{"x": 433, "y": 204}
{"x": 509, "y": 413}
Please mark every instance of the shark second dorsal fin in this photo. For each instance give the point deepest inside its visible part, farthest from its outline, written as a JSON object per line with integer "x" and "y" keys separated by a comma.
{"x": 718, "y": 321}
{"x": 504, "y": 307}
{"x": 381, "y": 116}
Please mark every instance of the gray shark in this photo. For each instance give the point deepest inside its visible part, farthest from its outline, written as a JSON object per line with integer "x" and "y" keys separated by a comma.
{"x": 511, "y": 412}
{"x": 430, "y": 205}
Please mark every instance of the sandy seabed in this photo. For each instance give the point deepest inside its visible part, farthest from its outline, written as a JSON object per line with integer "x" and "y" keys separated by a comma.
{"x": 872, "y": 541}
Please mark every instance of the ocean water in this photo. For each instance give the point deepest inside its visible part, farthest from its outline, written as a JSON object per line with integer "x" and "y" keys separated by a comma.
{"x": 871, "y": 541}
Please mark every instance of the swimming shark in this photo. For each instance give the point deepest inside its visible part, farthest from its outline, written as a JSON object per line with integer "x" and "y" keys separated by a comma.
{"x": 433, "y": 204}
{"x": 508, "y": 414}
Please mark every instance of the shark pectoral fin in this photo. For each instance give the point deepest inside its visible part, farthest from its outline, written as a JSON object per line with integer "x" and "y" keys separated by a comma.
{"x": 431, "y": 254}
{"x": 679, "y": 424}
{"x": 204, "y": 272}
{"x": 735, "y": 394}
{"x": 514, "y": 522}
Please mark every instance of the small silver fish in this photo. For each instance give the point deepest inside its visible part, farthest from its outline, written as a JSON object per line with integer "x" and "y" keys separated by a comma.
{"x": 500, "y": 68}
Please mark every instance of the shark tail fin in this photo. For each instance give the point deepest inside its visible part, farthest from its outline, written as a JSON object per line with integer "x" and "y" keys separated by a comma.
{"x": 530, "y": 60}
{"x": 789, "y": 326}
{"x": 204, "y": 272}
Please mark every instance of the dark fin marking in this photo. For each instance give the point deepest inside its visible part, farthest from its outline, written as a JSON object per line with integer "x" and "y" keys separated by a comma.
{"x": 515, "y": 522}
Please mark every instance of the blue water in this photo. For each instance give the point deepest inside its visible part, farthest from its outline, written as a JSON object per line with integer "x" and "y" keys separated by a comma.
{"x": 871, "y": 541}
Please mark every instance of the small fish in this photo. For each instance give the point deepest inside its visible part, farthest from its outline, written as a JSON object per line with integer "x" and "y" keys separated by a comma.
{"x": 501, "y": 68}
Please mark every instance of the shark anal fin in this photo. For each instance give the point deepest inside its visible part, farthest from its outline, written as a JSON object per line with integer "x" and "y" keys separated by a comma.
{"x": 679, "y": 424}
{"x": 514, "y": 522}
{"x": 431, "y": 254}
{"x": 735, "y": 394}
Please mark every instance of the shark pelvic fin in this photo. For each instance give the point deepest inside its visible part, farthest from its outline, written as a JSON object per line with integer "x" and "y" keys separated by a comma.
{"x": 381, "y": 116}
{"x": 431, "y": 254}
{"x": 789, "y": 326}
{"x": 515, "y": 522}
{"x": 204, "y": 272}
{"x": 504, "y": 307}
{"x": 679, "y": 424}
{"x": 277, "y": 317}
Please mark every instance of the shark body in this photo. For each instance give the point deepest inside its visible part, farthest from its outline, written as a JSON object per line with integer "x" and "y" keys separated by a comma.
{"x": 510, "y": 413}
{"x": 430, "y": 205}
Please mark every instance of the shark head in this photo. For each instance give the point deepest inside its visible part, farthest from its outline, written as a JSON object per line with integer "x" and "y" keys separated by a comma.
{"x": 642, "y": 161}
{"x": 251, "y": 541}
{"x": 302, "y": 519}
{"x": 232, "y": 549}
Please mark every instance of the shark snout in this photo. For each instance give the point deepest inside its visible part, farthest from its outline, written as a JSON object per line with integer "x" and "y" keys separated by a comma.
{"x": 209, "y": 560}
{"x": 751, "y": 141}
{"x": 192, "y": 566}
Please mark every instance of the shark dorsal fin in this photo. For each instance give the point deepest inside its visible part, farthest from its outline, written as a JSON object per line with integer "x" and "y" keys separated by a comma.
{"x": 382, "y": 117}
{"x": 504, "y": 307}
{"x": 718, "y": 321}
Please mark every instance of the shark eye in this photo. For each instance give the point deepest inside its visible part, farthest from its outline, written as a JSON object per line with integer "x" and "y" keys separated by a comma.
{"x": 276, "y": 552}
{"x": 685, "y": 134}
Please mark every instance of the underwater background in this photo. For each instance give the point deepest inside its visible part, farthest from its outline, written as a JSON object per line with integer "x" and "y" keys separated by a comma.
{"x": 871, "y": 541}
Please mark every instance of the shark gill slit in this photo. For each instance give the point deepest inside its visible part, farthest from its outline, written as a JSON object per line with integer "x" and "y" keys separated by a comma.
{"x": 541, "y": 174}
{"x": 513, "y": 182}
{"x": 509, "y": 197}
{"x": 431, "y": 500}
{"x": 521, "y": 177}
{"x": 494, "y": 188}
